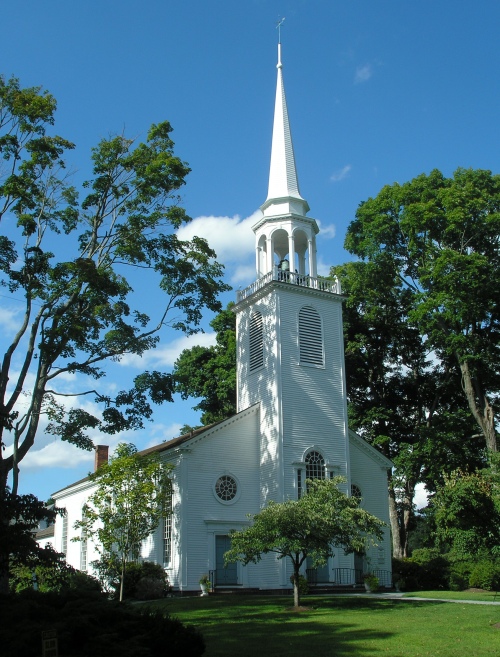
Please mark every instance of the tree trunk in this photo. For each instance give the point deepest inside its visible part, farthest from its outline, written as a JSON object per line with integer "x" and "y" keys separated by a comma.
{"x": 296, "y": 591}
{"x": 397, "y": 548}
{"x": 480, "y": 406}
{"x": 122, "y": 580}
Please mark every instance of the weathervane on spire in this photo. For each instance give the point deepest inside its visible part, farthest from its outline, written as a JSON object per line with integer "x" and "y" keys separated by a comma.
{"x": 278, "y": 27}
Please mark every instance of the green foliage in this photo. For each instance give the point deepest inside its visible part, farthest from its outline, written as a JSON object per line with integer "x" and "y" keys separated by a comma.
{"x": 54, "y": 575}
{"x": 402, "y": 403}
{"x": 459, "y": 574}
{"x": 485, "y": 575}
{"x": 308, "y": 527}
{"x": 209, "y": 373}
{"x": 372, "y": 582}
{"x": 437, "y": 238}
{"x": 89, "y": 624}
{"x": 133, "y": 495}
{"x": 71, "y": 263}
{"x": 426, "y": 569}
{"x": 467, "y": 515}
{"x": 143, "y": 580}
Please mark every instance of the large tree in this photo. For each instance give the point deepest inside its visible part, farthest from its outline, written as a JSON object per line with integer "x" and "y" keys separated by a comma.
{"x": 440, "y": 237}
{"x": 72, "y": 269}
{"x": 209, "y": 373}
{"x": 323, "y": 518}
{"x": 399, "y": 398}
{"x": 132, "y": 496}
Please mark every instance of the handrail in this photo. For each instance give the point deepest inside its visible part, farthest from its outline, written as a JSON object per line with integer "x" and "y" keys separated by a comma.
{"x": 293, "y": 278}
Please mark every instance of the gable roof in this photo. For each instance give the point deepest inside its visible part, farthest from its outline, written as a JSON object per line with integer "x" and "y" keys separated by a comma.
{"x": 168, "y": 445}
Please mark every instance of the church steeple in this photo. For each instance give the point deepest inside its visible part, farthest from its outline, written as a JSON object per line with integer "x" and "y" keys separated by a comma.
{"x": 284, "y": 236}
{"x": 283, "y": 195}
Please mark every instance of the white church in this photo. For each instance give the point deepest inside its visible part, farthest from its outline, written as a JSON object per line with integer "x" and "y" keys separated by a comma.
{"x": 291, "y": 423}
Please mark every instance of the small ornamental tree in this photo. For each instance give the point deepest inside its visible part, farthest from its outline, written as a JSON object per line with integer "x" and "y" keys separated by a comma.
{"x": 133, "y": 495}
{"x": 322, "y": 518}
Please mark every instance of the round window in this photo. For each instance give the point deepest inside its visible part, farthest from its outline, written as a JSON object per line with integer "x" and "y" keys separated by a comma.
{"x": 226, "y": 488}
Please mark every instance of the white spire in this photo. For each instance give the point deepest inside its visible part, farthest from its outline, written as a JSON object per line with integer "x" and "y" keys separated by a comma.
{"x": 283, "y": 195}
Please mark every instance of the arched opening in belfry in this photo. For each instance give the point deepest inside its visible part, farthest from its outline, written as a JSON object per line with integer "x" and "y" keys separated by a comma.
{"x": 301, "y": 245}
{"x": 263, "y": 265}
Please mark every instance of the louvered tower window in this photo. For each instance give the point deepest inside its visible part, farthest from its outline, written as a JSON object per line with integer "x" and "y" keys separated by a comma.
{"x": 310, "y": 337}
{"x": 256, "y": 335}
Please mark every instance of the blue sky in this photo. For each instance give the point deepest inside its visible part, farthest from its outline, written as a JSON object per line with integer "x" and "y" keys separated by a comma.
{"x": 378, "y": 92}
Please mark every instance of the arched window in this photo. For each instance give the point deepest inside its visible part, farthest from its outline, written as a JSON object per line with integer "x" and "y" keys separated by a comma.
{"x": 310, "y": 337}
{"x": 315, "y": 466}
{"x": 256, "y": 339}
{"x": 356, "y": 492}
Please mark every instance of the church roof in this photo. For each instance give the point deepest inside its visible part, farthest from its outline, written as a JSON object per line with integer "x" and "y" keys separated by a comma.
{"x": 283, "y": 180}
{"x": 171, "y": 444}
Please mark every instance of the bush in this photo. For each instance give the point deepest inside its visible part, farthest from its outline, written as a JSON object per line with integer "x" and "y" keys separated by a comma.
{"x": 89, "y": 624}
{"x": 425, "y": 569}
{"x": 485, "y": 575}
{"x": 50, "y": 576}
{"x": 143, "y": 580}
{"x": 459, "y": 575}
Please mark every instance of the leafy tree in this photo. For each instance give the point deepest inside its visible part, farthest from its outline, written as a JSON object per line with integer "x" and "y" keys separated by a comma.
{"x": 210, "y": 372}
{"x": 467, "y": 516}
{"x": 439, "y": 237}
{"x": 20, "y": 517}
{"x": 132, "y": 497}
{"x": 401, "y": 401}
{"x": 322, "y": 518}
{"x": 67, "y": 263}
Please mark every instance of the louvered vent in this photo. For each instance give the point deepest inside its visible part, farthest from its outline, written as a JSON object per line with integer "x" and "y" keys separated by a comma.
{"x": 256, "y": 341}
{"x": 310, "y": 336}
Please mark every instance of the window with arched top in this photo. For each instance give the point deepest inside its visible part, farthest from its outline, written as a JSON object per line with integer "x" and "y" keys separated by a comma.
{"x": 256, "y": 341}
{"x": 315, "y": 466}
{"x": 315, "y": 469}
{"x": 356, "y": 492}
{"x": 310, "y": 337}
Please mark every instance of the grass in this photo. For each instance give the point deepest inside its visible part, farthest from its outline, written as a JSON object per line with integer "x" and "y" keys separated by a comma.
{"x": 479, "y": 595}
{"x": 335, "y": 626}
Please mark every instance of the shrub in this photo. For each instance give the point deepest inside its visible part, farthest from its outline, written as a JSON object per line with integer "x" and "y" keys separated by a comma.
{"x": 459, "y": 575}
{"x": 89, "y": 624}
{"x": 57, "y": 577}
{"x": 485, "y": 575}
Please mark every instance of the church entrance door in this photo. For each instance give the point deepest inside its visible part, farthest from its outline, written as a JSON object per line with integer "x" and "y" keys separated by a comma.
{"x": 224, "y": 575}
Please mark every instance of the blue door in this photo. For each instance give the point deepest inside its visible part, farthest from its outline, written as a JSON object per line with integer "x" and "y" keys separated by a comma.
{"x": 224, "y": 575}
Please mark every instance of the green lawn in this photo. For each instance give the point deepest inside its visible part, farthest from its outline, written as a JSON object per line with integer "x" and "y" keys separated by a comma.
{"x": 482, "y": 596}
{"x": 335, "y": 626}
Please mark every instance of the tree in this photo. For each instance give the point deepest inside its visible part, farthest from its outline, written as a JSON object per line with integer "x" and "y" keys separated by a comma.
{"x": 466, "y": 513}
{"x": 402, "y": 402}
{"x": 210, "y": 372}
{"x": 20, "y": 517}
{"x": 67, "y": 264}
{"x": 133, "y": 496}
{"x": 323, "y": 518}
{"x": 440, "y": 237}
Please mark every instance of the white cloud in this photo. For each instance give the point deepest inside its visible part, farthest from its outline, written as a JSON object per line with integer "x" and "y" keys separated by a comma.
{"x": 363, "y": 74}
{"x": 161, "y": 432}
{"x": 168, "y": 354}
{"x": 328, "y": 231}
{"x": 339, "y": 175}
{"x": 57, "y": 454}
{"x": 231, "y": 238}
{"x": 8, "y": 319}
